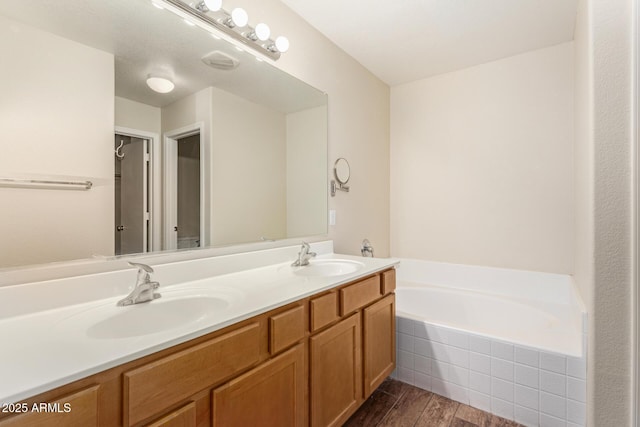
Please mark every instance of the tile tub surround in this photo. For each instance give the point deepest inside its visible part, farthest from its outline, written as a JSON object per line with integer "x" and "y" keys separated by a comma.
{"x": 530, "y": 386}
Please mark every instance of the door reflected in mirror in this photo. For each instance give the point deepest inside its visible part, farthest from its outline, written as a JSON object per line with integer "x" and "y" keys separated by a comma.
{"x": 259, "y": 169}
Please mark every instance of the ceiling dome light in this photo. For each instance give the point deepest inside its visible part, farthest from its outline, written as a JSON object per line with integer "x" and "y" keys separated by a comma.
{"x": 239, "y": 17}
{"x": 160, "y": 84}
{"x": 282, "y": 44}
{"x": 262, "y": 31}
{"x": 213, "y": 5}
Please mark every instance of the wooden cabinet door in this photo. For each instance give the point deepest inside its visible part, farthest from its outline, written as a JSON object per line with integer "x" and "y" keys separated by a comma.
{"x": 183, "y": 417}
{"x": 336, "y": 373}
{"x": 379, "y": 342}
{"x": 78, "y": 409}
{"x": 271, "y": 395}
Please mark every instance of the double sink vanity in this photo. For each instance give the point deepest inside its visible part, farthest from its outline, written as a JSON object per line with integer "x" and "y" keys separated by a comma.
{"x": 234, "y": 340}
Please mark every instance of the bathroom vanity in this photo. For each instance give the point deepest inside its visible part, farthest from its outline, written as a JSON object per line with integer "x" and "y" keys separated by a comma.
{"x": 311, "y": 360}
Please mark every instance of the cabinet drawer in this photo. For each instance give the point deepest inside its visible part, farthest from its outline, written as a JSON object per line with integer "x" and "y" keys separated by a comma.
{"x": 359, "y": 294}
{"x": 81, "y": 411}
{"x": 389, "y": 281}
{"x": 324, "y": 310}
{"x": 151, "y": 388}
{"x": 183, "y": 417}
{"x": 286, "y": 329}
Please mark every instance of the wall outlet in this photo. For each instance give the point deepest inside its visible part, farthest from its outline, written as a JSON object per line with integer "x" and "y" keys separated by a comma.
{"x": 332, "y": 217}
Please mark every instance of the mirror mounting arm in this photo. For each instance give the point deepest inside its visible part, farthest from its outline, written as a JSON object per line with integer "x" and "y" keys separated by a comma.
{"x": 335, "y": 186}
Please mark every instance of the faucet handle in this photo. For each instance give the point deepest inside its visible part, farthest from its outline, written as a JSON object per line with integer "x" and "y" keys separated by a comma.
{"x": 144, "y": 272}
{"x": 141, "y": 266}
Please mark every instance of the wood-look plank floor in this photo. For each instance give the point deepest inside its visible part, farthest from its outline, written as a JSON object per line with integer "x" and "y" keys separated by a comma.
{"x": 396, "y": 404}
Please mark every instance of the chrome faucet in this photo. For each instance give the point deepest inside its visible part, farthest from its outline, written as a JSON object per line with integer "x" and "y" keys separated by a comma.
{"x": 366, "y": 249}
{"x": 143, "y": 290}
{"x": 303, "y": 256}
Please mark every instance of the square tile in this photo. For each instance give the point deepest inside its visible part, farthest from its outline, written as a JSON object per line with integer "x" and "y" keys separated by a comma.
{"x": 480, "y": 400}
{"x": 422, "y": 364}
{"x": 441, "y": 351}
{"x": 553, "y": 405}
{"x": 527, "y": 397}
{"x": 459, "y": 376}
{"x": 527, "y": 356}
{"x": 502, "y": 408}
{"x": 479, "y": 344}
{"x": 406, "y": 375}
{"x": 439, "y": 369}
{"x": 480, "y": 363}
{"x": 502, "y": 389}
{"x": 553, "y": 383}
{"x": 450, "y": 390}
{"x": 553, "y": 362}
{"x": 405, "y": 342}
{"x": 502, "y": 369}
{"x": 437, "y": 334}
{"x": 502, "y": 350}
{"x": 459, "y": 357}
{"x": 480, "y": 382}
{"x": 405, "y": 359}
{"x": 550, "y": 421}
{"x": 422, "y": 381}
{"x": 576, "y": 412}
{"x": 577, "y": 367}
{"x": 459, "y": 339}
{"x": 423, "y": 347}
{"x": 527, "y": 417}
{"x": 577, "y": 389}
{"x": 420, "y": 330}
{"x": 404, "y": 325}
{"x": 527, "y": 375}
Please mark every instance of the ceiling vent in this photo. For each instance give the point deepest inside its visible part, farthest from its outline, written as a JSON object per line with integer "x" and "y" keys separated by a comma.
{"x": 220, "y": 60}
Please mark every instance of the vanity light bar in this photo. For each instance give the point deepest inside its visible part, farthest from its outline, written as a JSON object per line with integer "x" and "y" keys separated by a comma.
{"x": 224, "y": 23}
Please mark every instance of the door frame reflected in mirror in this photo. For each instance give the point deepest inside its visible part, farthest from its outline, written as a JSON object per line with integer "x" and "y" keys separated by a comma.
{"x": 170, "y": 212}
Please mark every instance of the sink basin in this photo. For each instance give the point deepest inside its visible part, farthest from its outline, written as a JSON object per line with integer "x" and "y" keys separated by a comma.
{"x": 175, "y": 309}
{"x": 156, "y": 316}
{"x": 328, "y": 268}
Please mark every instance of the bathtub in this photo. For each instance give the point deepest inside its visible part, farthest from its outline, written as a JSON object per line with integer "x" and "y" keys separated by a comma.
{"x": 509, "y": 342}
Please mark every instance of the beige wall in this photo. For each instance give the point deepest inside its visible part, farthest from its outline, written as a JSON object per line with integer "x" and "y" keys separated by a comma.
{"x": 306, "y": 172}
{"x": 481, "y": 164}
{"x": 358, "y": 123}
{"x": 188, "y": 111}
{"x": 75, "y": 117}
{"x": 138, "y": 116}
{"x": 248, "y": 171}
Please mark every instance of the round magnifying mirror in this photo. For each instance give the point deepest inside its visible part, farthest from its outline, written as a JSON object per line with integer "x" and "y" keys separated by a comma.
{"x": 341, "y": 170}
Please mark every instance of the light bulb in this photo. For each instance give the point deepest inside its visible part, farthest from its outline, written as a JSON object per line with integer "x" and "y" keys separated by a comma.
{"x": 159, "y": 84}
{"x": 282, "y": 44}
{"x": 213, "y": 5}
{"x": 239, "y": 17}
{"x": 262, "y": 31}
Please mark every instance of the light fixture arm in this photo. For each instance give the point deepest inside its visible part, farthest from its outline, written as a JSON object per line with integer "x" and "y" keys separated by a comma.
{"x": 198, "y": 15}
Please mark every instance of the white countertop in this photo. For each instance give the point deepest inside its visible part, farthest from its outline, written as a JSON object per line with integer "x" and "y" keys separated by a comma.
{"x": 56, "y": 345}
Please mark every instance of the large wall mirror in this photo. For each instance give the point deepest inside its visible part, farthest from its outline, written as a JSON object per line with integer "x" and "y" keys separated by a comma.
{"x": 235, "y": 153}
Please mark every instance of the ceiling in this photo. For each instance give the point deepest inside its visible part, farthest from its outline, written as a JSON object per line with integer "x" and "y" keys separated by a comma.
{"x": 406, "y": 40}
